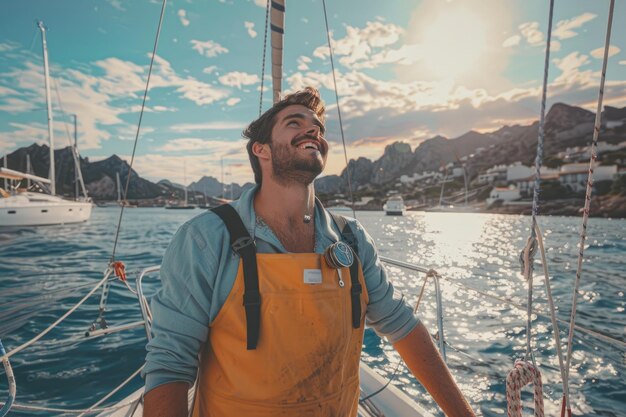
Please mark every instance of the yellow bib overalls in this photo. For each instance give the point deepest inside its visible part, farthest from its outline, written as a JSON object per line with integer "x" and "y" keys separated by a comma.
{"x": 306, "y": 362}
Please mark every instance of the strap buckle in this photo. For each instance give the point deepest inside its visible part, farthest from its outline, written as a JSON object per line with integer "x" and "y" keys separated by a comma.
{"x": 243, "y": 242}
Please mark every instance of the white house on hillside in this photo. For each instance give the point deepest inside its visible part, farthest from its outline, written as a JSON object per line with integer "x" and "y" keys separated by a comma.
{"x": 493, "y": 174}
{"x": 504, "y": 194}
{"x": 574, "y": 176}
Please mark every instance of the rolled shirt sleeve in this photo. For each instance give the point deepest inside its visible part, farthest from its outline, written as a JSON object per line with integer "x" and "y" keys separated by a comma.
{"x": 388, "y": 312}
{"x": 180, "y": 310}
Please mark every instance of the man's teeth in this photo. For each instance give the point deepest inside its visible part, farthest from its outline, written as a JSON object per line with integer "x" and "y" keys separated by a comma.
{"x": 308, "y": 145}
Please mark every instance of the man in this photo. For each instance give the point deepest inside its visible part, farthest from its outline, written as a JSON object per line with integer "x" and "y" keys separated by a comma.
{"x": 273, "y": 302}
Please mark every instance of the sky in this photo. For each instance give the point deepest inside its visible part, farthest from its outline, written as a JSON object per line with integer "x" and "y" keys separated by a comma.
{"x": 406, "y": 70}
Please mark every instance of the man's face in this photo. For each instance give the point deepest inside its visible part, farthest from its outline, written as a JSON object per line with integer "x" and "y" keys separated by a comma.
{"x": 298, "y": 147}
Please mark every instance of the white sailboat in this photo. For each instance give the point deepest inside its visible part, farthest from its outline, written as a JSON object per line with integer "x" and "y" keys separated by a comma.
{"x": 20, "y": 207}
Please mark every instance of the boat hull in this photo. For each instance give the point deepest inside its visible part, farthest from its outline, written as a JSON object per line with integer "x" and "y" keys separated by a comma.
{"x": 42, "y": 211}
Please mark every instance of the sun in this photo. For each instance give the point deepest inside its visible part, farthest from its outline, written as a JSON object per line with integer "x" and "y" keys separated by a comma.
{"x": 454, "y": 43}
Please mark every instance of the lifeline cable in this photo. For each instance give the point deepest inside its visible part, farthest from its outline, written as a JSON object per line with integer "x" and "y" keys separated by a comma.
{"x": 583, "y": 231}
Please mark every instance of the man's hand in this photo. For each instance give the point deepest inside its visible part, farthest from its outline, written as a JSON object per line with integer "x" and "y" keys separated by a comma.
{"x": 421, "y": 356}
{"x": 167, "y": 400}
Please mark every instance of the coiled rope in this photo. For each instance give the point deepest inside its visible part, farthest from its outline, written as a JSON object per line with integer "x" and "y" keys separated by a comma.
{"x": 583, "y": 230}
{"x": 11, "y": 379}
{"x": 522, "y": 374}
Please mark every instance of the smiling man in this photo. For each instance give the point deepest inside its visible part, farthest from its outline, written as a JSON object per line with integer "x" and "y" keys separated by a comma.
{"x": 264, "y": 300}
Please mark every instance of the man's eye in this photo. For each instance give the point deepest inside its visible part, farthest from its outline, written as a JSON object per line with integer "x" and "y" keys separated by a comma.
{"x": 293, "y": 122}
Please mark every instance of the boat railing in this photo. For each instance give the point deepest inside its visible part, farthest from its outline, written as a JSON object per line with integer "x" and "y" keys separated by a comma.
{"x": 430, "y": 273}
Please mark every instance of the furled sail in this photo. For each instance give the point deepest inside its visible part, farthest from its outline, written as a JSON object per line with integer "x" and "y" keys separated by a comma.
{"x": 277, "y": 24}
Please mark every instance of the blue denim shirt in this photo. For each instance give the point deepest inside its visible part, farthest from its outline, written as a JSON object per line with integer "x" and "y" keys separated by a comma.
{"x": 199, "y": 269}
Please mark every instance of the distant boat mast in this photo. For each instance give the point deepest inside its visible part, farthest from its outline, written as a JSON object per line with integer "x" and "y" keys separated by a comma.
{"x": 52, "y": 174}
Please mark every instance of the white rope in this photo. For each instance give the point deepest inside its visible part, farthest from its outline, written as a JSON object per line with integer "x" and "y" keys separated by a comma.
{"x": 25, "y": 407}
{"x": 592, "y": 159}
{"x": 555, "y": 327}
{"x": 110, "y": 394}
{"x": 63, "y": 317}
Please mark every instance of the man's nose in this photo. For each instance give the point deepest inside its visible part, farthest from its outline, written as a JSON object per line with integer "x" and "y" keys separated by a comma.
{"x": 313, "y": 130}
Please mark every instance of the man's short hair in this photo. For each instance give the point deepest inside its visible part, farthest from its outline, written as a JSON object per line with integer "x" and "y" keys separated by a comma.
{"x": 260, "y": 130}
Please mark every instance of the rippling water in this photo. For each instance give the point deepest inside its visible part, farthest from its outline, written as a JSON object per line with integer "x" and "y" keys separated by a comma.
{"x": 45, "y": 271}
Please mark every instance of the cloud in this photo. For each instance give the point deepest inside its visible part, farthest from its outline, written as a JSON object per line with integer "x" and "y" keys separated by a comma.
{"x": 530, "y": 31}
{"x": 232, "y": 101}
{"x": 564, "y": 28}
{"x": 358, "y": 46}
{"x": 303, "y": 62}
{"x": 182, "y": 15}
{"x": 202, "y": 158}
{"x": 116, "y": 4}
{"x": 190, "y": 88}
{"x": 599, "y": 53}
{"x": 186, "y": 144}
{"x": 261, "y": 3}
{"x": 100, "y": 93}
{"x": 208, "y": 48}
{"x": 378, "y": 111}
{"x": 189, "y": 127}
{"x": 622, "y": 62}
{"x": 512, "y": 41}
{"x": 8, "y": 46}
{"x": 238, "y": 79}
{"x": 250, "y": 27}
{"x": 210, "y": 69}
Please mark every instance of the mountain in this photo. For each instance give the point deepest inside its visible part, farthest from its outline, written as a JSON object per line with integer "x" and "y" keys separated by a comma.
{"x": 212, "y": 187}
{"x": 99, "y": 177}
{"x": 565, "y": 126}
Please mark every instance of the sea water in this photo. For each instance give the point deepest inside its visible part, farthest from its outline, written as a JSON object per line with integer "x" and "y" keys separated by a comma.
{"x": 44, "y": 271}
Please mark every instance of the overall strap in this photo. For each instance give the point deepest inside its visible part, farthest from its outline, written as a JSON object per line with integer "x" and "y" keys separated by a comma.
{"x": 244, "y": 246}
{"x": 355, "y": 286}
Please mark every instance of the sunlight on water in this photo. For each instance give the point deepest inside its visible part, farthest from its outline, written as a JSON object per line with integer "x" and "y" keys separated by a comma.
{"x": 45, "y": 271}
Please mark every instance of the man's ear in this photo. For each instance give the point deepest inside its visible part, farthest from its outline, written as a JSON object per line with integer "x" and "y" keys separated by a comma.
{"x": 261, "y": 150}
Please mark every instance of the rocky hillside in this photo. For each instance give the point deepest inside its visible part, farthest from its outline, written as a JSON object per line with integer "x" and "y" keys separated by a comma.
{"x": 565, "y": 126}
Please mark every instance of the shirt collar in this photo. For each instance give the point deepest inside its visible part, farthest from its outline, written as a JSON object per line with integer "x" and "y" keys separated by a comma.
{"x": 325, "y": 230}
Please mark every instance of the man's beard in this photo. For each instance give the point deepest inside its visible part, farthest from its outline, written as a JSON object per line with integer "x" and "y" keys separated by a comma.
{"x": 290, "y": 167}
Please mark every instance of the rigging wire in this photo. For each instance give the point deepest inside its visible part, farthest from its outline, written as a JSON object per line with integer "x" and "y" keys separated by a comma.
{"x": 592, "y": 160}
{"x": 143, "y": 105}
{"x": 267, "y": 16}
{"x": 343, "y": 139}
{"x": 74, "y": 150}
{"x": 527, "y": 255}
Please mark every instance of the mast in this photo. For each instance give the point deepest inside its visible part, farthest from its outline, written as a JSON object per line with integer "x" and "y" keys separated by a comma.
{"x": 443, "y": 184}
{"x": 119, "y": 188}
{"x": 6, "y": 181}
{"x": 222, "y": 179}
{"x": 277, "y": 20}
{"x": 185, "y": 181}
{"x": 76, "y": 163}
{"x": 465, "y": 181}
{"x": 28, "y": 169}
{"x": 51, "y": 175}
